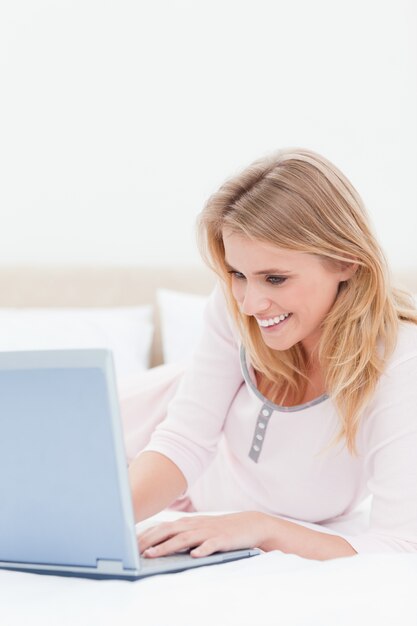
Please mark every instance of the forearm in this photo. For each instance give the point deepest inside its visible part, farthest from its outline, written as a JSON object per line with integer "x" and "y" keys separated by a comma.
{"x": 155, "y": 482}
{"x": 293, "y": 538}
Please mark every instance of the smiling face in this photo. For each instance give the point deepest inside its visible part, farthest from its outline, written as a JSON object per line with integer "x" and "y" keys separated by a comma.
{"x": 289, "y": 293}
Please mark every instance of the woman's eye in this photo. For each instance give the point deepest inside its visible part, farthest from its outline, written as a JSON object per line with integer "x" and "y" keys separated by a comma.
{"x": 273, "y": 280}
{"x": 237, "y": 275}
{"x": 276, "y": 280}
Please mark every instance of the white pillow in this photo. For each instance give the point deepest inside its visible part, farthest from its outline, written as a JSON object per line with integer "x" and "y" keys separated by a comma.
{"x": 181, "y": 319}
{"x": 127, "y": 331}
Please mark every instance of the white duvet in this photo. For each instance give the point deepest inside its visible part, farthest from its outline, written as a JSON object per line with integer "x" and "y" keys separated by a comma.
{"x": 270, "y": 589}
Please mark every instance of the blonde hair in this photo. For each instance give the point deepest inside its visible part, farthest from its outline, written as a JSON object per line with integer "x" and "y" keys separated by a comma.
{"x": 298, "y": 200}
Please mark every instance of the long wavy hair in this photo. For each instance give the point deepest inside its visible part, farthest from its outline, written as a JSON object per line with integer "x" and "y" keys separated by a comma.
{"x": 298, "y": 200}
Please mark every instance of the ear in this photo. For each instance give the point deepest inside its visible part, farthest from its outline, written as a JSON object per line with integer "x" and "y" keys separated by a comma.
{"x": 347, "y": 270}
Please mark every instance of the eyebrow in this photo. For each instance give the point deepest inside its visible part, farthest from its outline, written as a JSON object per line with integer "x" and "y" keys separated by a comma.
{"x": 260, "y": 272}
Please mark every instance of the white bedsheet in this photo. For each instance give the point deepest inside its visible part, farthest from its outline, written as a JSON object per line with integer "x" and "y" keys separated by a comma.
{"x": 270, "y": 589}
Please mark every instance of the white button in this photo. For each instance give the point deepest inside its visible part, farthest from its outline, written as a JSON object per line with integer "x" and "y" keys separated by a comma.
{"x": 257, "y": 448}
{"x": 259, "y": 437}
{"x": 261, "y": 425}
{"x": 265, "y": 412}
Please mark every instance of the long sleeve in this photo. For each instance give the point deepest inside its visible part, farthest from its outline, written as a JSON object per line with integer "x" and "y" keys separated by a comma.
{"x": 191, "y": 430}
{"x": 390, "y": 440}
{"x": 291, "y": 476}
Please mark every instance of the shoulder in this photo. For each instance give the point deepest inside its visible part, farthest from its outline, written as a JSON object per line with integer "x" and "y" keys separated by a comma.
{"x": 397, "y": 386}
{"x": 400, "y": 372}
{"x": 392, "y": 413}
{"x": 405, "y": 348}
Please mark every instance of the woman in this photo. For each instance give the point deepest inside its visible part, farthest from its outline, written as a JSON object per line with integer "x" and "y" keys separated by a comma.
{"x": 301, "y": 399}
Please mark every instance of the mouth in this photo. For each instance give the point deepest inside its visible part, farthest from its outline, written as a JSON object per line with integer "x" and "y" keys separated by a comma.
{"x": 272, "y": 322}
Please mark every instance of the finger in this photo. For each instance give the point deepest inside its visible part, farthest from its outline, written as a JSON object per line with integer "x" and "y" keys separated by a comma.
{"x": 180, "y": 542}
{"x": 155, "y": 535}
{"x": 209, "y": 546}
{"x": 166, "y": 530}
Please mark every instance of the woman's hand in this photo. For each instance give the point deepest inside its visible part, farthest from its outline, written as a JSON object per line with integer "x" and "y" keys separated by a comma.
{"x": 205, "y": 534}
{"x": 218, "y": 533}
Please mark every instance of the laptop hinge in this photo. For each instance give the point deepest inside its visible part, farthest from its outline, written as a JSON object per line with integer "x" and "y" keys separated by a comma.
{"x": 109, "y": 566}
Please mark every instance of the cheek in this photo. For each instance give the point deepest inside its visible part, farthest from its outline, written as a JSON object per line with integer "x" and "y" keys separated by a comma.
{"x": 237, "y": 290}
{"x": 313, "y": 300}
{"x": 297, "y": 299}
{"x": 321, "y": 300}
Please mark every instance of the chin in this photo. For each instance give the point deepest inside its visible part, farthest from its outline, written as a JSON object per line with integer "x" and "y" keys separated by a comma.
{"x": 280, "y": 346}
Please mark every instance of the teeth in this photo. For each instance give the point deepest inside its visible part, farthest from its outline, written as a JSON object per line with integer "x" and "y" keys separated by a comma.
{"x": 273, "y": 320}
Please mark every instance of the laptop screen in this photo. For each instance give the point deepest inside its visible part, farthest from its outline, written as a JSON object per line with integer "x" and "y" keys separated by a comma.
{"x": 61, "y": 500}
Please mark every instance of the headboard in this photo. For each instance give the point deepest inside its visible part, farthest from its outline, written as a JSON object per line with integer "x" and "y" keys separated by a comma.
{"x": 99, "y": 287}
{"x": 114, "y": 286}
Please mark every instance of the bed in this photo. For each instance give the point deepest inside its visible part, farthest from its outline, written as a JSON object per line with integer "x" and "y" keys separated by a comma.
{"x": 160, "y": 308}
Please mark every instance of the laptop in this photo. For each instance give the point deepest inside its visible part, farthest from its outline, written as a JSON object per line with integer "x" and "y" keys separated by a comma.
{"x": 65, "y": 502}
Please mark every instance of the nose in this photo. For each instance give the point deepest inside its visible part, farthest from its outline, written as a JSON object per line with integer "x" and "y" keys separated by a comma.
{"x": 252, "y": 301}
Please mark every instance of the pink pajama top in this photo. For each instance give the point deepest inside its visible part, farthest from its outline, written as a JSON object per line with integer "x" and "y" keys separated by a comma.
{"x": 240, "y": 451}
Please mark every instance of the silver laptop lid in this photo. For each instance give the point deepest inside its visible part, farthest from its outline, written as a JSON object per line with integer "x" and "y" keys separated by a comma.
{"x": 64, "y": 491}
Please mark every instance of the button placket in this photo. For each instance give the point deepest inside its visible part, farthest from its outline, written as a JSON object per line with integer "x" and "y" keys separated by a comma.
{"x": 259, "y": 434}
